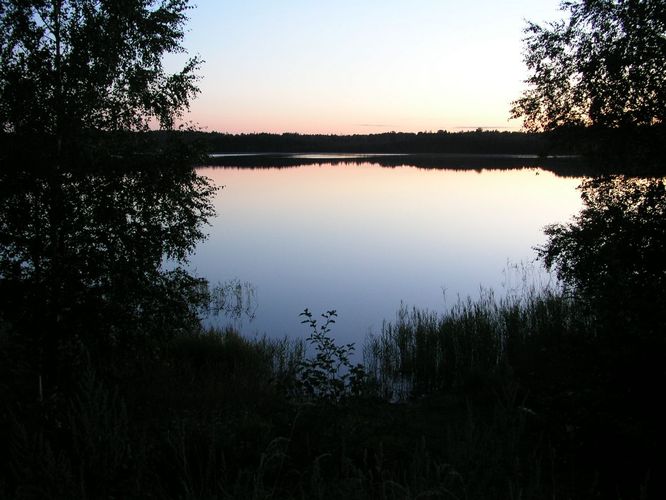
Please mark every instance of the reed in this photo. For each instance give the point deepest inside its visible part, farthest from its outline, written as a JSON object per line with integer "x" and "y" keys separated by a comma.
{"x": 487, "y": 400}
{"x": 476, "y": 343}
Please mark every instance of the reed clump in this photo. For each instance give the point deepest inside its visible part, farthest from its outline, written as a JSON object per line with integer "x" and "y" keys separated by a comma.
{"x": 476, "y": 343}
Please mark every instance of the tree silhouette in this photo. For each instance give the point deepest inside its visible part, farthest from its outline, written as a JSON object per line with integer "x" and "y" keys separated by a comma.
{"x": 95, "y": 225}
{"x": 75, "y": 65}
{"x": 604, "y": 66}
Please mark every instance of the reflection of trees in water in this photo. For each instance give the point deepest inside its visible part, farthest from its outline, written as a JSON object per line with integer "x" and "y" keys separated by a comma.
{"x": 612, "y": 254}
{"x": 562, "y": 166}
{"x": 82, "y": 253}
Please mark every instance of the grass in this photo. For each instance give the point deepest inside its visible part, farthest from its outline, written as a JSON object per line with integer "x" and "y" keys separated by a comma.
{"x": 476, "y": 344}
{"x": 492, "y": 399}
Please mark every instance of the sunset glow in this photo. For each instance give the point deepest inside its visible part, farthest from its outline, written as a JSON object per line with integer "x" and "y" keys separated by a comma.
{"x": 358, "y": 67}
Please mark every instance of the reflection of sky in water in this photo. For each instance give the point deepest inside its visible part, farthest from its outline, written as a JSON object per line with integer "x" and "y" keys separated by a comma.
{"x": 361, "y": 239}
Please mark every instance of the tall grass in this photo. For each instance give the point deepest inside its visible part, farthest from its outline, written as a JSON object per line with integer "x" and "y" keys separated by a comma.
{"x": 476, "y": 343}
{"x": 493, "y": 393}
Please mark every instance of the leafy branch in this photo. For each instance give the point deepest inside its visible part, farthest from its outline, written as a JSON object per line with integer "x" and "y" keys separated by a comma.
{"x": 330, "y": 374}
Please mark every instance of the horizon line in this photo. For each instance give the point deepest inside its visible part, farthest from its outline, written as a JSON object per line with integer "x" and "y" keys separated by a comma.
{"x": 453, "y": 130}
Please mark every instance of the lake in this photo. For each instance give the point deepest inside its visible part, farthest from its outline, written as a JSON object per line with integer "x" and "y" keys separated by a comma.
{"x": 352, "y": 235}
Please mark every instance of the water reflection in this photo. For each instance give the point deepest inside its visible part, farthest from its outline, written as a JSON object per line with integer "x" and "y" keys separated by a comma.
{"x": 361, "y": 239}
{"x": 560, "y": 165}
{"x": 82, "y": 252}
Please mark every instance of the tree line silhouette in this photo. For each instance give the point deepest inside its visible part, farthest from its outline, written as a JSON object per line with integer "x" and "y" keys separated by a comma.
{"x": 469, "y": 142}
{"x": 632, "y": 149}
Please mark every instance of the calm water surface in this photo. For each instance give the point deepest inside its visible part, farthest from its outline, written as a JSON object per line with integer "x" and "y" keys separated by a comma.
{"x": 364, "y": 239}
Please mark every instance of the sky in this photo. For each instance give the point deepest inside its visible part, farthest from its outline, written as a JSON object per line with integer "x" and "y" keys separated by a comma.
{"x": 358, "y": 66}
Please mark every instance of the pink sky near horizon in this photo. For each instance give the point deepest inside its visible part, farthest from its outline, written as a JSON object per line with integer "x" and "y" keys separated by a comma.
{"x": 350, "y": 67}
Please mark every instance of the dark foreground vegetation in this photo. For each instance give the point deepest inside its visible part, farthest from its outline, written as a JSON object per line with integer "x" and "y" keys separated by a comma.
{"x": 111, "y": 388}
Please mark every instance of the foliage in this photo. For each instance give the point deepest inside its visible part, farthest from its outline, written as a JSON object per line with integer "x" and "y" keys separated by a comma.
{"x": 475, "y": 142}
{"x": 84, "y": 253}
{"x": 604, "y": 66}
{"x": 74, "y": 65}
{"x": 612, "y": 253}
{"x": 476, "y": 346}
{"x": 330, "y": 374}
{"x": 209, "y": 419}
{"x": 95, "y": 226}
{"x": 549, "y": 357}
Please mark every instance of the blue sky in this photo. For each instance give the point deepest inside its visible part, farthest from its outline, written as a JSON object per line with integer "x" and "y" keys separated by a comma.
{"x": 361, "y": 66}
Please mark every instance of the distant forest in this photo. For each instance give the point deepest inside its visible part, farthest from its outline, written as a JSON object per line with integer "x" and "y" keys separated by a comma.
{"x": 469, "y": 142}
{"x": 635, "y": 150}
